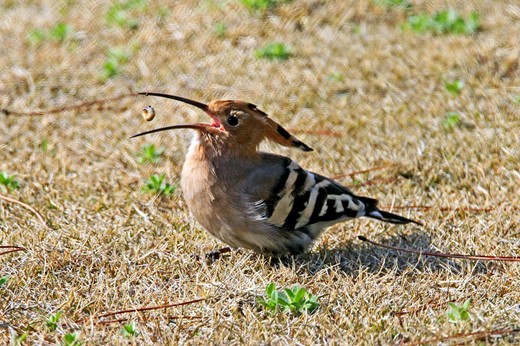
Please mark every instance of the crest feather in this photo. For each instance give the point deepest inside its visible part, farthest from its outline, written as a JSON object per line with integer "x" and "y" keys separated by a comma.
{"x": 278, "y": 134}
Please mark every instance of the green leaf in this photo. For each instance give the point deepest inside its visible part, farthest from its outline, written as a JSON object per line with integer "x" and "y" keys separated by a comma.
{"x": 443, "y": 22}
{"x": 473, "y": 22}
{"x": 451, "y": 121}
{"x": 270, "y": 289}
{"x": 71, "y": 339}
{"x": 295, "y": 300}
{"x": 456, "y": 313}
{"x": 20, "y": 339}
{"x": 220, "y": 29}
{"x": 119, "y": 13}
{"x": 283, "y": 301}
{"x": 37, "y": 36}
{"x": 455, "y": 86}
{"x": 466, "y": 304}
{"x": 420, "y": 23}
{"x": 121, "y": 55}
{"x": 336, "y": 77}
{"x": 129, "y": 330}
{"x": 44, "y": 145}
{"x": 262, "y": 301}
{"x": 60, "y": 31}
{"x": 3, "y": 280}
{"x": 110, "y": 69}
{"x": 290, "y": 294}
{"x": 274, "y": 51}
{"x": 274, "y": 296}
{"x": 310, "y": 306}
{"x": 259, "y": 5}
{"x": 156, "y": 184}
{"x": 9, "y": 181}
{"x": 52, "y": 321}
{"x": 300, "y": 294}
{"x": 116, "y": 57}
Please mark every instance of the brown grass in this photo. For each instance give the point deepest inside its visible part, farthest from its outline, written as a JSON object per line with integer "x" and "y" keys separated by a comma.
{"x": 109, "y": 247}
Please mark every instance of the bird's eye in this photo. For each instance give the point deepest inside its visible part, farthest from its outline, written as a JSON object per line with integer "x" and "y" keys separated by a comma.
{"x": 232, "y": 121}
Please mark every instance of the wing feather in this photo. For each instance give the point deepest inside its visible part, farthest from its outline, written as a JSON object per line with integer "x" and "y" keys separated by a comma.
{"x": 302, "y": 198}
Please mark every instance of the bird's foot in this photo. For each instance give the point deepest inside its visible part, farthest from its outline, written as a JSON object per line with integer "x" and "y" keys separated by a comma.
{"x": 213, "y": 256}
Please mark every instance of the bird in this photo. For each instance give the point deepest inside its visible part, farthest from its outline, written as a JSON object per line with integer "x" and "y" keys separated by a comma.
{"x": 257, "y": 200}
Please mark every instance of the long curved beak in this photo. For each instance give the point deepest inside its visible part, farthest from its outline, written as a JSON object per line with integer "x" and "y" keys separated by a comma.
{"x": 201, "y": 127}
{"x": 200, "y": 105}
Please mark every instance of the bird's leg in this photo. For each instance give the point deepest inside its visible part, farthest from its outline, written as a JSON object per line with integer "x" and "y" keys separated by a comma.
{"x": 216, "y": 254}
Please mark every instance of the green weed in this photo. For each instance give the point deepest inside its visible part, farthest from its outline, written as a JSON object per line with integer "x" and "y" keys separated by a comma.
{"x": 44, "y": 145}
{"x": 443, "y": 22}
{"x": 52, "y": 321}
{"x": 37, "y": 36}
{"x": 259, "y": 5}
{"x": 116, "y": 57}
{"x": 110, "y": 69}
{"x": 20, "y": 339}
{"x": 274, "y": 51}
{"x": 118, "y": 14}
{"x": 336, "y": 77}
{"x": 156, "y": 184}
{"x": 121, "y": 55}
{"x": 163, "y": 13}
{"x": 59, "y": 33}
{"x": 294, "y": 300}
{"x": 150, "y": 154}
{"x": 129, "y": 330}
{"x": 454, "y": 87}
{"x": 357, "y": 29}
{"x": 71, "y": 339}
{"x": 220, "y": 29}
{"x": 9, "y": 181}
{"x": 451, "y": 121}
{"x": 458, "y": 313}
{"x": 3, "y": 280}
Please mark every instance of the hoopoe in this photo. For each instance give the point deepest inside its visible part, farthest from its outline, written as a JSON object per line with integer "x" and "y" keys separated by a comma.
{"x": 257, "y": 200}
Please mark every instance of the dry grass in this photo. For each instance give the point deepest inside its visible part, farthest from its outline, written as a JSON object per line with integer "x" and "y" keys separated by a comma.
{"x": 110, "y": 247}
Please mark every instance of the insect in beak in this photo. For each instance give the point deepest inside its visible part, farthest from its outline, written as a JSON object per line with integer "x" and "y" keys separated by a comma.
{"x": 211, "y": 128}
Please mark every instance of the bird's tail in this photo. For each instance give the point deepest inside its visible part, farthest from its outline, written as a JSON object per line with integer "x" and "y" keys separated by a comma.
{"x": 375, "y": 213}
{"x": 389, "y": 217}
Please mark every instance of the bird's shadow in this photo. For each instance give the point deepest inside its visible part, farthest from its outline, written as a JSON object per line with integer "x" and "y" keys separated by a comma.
{"x": 355, "y": 256}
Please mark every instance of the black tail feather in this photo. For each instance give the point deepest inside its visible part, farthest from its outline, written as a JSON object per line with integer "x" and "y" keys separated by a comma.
{"x": 373, "y": 212}
{"x": 389, "y": 217}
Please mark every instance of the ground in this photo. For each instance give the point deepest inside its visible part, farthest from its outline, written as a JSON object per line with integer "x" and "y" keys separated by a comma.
{"x": 357, "y": 86}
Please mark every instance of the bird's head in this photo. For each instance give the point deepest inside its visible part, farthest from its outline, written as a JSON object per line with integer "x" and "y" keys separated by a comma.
{"x": 236, "y": 123}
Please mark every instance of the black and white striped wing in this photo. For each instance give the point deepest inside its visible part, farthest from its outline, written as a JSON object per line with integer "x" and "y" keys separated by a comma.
{"x": 302, "y": 198}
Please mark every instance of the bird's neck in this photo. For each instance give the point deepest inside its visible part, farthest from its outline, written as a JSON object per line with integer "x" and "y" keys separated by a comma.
{"x": 210, "y": 165}
{"x": 210, "y": 148}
